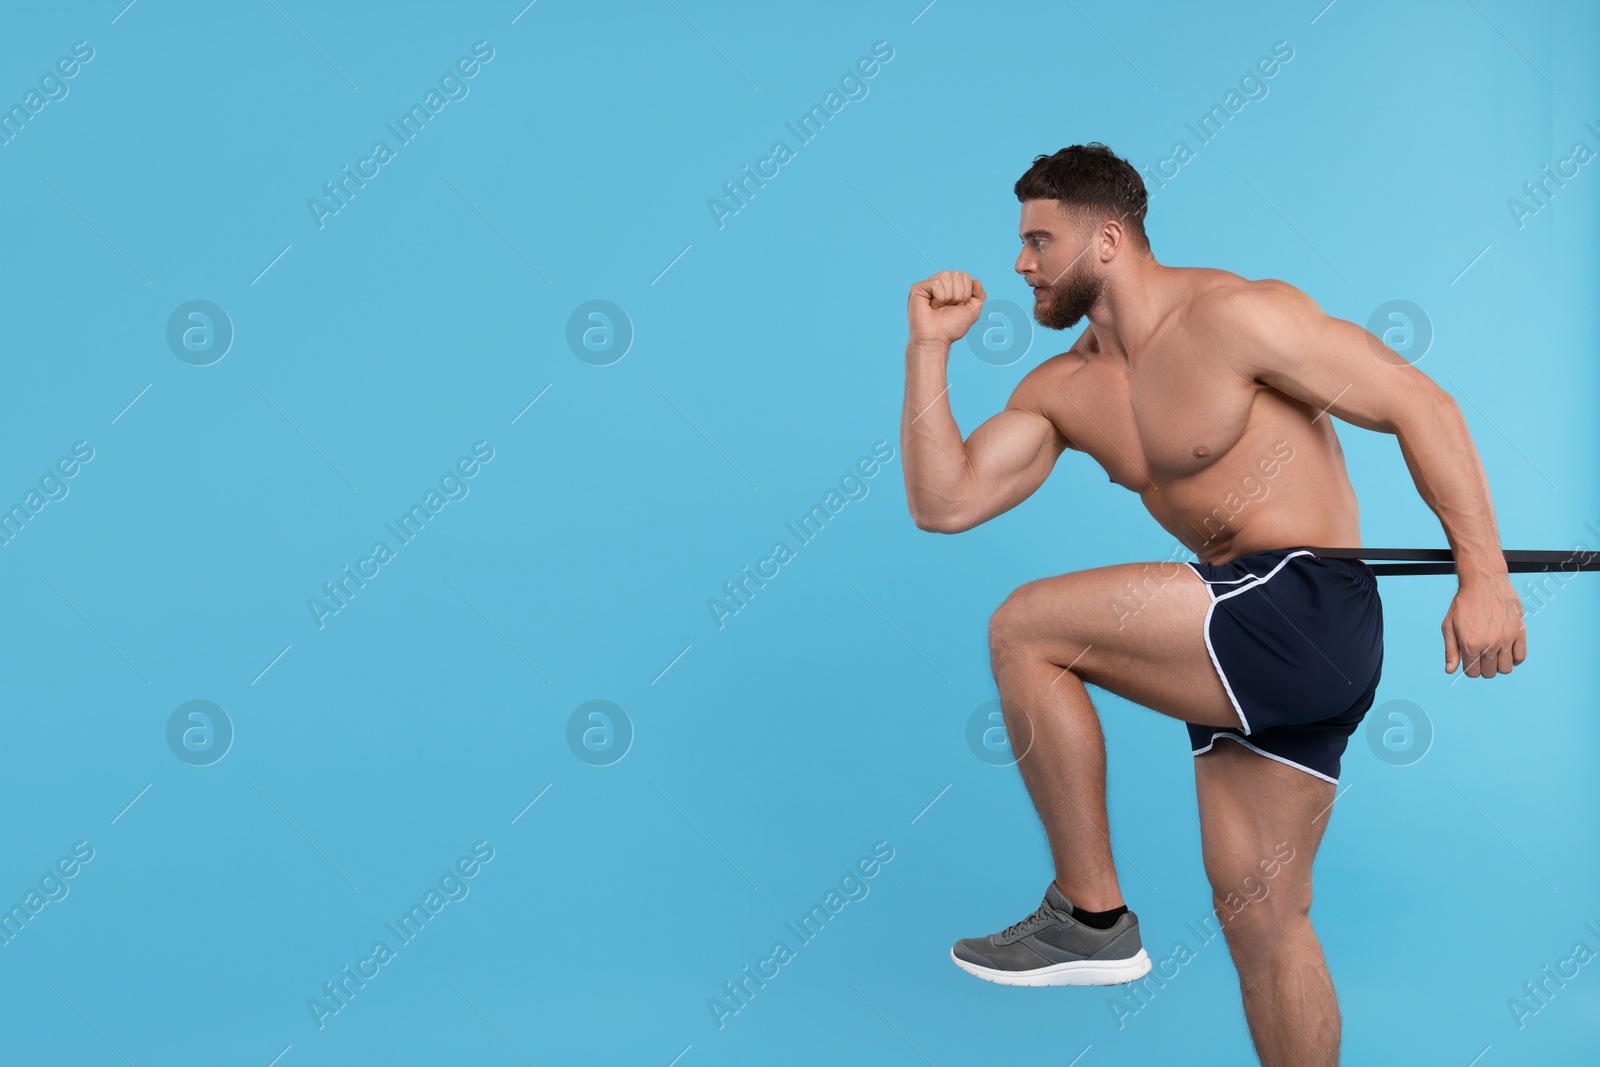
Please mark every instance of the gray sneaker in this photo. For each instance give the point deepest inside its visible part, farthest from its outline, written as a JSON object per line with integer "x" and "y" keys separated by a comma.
{"x": 1050, "y": 947}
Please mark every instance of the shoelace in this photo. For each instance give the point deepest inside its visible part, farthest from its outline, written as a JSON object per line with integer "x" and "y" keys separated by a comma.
{"x": 1044, "y": 912}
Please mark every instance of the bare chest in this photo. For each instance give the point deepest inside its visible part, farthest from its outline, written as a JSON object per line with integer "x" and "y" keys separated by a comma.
{"x": 1162, "y": 418}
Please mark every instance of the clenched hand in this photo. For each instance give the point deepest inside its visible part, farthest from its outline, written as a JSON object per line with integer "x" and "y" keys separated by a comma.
{"x": 1483, "y": 630}
{"x": 941, "y": 309}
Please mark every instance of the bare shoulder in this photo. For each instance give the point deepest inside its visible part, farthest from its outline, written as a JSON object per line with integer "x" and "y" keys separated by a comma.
{"x": 1049, "y": 378}
{"x": 1255, "y": 327}
{"x": 1043, "y": 389}
{"x": 1226, "y": 309}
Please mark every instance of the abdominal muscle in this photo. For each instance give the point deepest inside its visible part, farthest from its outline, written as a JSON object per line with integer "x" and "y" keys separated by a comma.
{"x": 1282, "y": 484}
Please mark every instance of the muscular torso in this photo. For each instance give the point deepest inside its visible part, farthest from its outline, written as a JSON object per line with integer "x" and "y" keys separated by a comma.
{"x": 1225, "y": 464}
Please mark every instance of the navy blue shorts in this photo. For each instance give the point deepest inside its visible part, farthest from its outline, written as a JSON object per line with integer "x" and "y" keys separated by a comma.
{"x": 1297, "y": 640}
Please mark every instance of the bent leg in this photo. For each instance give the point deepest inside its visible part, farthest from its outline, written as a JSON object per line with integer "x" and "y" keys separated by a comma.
{"x": 1135, "y": 630}
{"x": 1260, "y": 825}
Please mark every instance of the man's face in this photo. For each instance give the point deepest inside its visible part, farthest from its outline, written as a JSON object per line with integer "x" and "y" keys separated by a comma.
{"x": 1058, "y": 262}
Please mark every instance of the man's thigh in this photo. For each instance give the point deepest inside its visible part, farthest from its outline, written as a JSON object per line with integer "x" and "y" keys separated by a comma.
{"x": 1260, "y": 824}
{"x": 1136, "y": 629}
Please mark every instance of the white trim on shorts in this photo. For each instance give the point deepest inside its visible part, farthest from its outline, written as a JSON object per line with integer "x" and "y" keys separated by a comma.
{"x": 1264, "y": 752}
{"x": 1205, "y": 627}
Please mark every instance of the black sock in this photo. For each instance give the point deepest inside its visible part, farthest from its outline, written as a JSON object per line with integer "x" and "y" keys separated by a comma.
{"x": 1099, "y": 920}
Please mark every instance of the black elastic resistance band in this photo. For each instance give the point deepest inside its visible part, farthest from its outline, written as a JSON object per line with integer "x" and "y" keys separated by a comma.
{"x": 1442, "y": 561}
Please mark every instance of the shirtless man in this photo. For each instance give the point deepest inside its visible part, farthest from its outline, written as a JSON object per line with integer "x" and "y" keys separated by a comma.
{"x": 1187, "y": 386}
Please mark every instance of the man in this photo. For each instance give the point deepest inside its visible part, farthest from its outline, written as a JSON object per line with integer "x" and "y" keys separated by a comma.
{"x": 1211, "y": 397}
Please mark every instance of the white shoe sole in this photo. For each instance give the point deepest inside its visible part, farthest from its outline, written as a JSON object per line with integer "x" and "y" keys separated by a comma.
{"x": 1075, "y": 972}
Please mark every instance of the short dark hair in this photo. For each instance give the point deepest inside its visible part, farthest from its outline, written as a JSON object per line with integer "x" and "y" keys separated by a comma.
{"x": 1089, "y": 176}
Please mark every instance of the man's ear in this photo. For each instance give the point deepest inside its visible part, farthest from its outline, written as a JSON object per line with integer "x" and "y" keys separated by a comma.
{"x": 1108, "y": 238}
{"x": 1113, "y": 238}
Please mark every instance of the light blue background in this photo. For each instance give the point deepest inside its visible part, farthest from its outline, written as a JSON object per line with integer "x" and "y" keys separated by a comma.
{"x": 830, "y": 711}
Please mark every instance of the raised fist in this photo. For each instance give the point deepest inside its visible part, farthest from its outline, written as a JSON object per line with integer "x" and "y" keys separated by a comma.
{"x": 944, "y": 307}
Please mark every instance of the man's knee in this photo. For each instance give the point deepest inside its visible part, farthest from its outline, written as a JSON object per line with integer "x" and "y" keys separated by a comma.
{"x": 1009, "y": 627}
{"x": 1257, "y": 897}
{"x": 1044, "y": 612}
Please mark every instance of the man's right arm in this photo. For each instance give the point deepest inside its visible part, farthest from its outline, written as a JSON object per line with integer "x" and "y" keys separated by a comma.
{"x": 953, "y": 485}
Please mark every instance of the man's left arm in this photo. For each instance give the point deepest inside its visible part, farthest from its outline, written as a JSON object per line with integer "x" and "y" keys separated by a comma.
{"x": 1278, "y": 336}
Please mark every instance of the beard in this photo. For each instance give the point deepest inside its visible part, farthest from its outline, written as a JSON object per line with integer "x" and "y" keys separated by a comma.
{"x": 1069, "y": 299}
